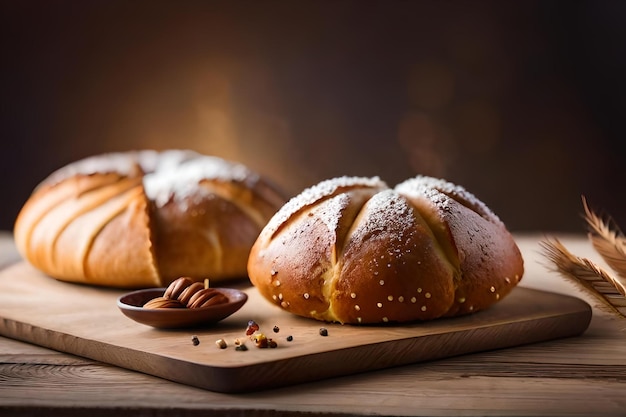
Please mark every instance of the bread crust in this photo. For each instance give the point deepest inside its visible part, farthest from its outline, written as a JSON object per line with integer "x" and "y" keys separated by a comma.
{"x": 353, "y": 250}
{"x": 144, "y": 218}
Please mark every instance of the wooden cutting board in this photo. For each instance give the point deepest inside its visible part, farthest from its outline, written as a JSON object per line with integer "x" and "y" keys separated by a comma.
{"x": 85, "y": 321}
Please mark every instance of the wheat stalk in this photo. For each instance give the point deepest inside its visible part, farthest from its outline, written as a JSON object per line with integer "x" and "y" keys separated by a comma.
{"x": 587, "y": 276}
{"x": 608, "y": 240}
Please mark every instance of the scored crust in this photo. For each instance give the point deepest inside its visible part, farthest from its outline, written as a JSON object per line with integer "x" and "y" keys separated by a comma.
{"x": 352, "y": 250}
{"x": 144, "y": 218}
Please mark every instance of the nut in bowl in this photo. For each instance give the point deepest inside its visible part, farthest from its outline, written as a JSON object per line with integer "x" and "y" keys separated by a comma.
{"x": 182, "y": 304}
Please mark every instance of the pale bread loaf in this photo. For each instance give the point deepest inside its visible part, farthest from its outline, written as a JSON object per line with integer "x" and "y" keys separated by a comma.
{"x": 145, "y": 218}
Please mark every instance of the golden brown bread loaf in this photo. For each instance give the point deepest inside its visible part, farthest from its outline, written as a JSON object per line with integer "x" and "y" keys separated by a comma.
{"x": 144, "y": 218}
{"x": 352, "y": 250}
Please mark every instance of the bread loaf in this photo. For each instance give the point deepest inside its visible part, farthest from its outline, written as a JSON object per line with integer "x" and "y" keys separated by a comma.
{"x": 353, "y": 250}
{"x": 144, "y": 218}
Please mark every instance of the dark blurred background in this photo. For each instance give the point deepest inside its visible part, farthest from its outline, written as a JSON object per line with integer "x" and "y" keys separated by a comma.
{"x": 521, "y": 102}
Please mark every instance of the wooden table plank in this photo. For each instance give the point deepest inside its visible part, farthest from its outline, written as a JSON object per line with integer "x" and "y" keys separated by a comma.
{"x": 579, "y": 376}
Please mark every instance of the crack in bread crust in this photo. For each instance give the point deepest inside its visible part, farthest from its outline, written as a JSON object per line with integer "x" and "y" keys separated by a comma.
{"x": 81, "y": 223}
{"x": 423, "y": 250}
{"x": 315, "y": 195}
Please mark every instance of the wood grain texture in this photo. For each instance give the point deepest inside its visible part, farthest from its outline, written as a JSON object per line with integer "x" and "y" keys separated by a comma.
{"x": 85, "y": 321}
{"x": 579, "y": 376}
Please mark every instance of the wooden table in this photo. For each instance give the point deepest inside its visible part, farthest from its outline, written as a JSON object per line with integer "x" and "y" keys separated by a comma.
{"x": 581, "y": 376}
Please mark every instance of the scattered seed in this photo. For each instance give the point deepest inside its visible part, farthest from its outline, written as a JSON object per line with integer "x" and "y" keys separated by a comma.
{"x": 241, "y": 348}
{"x": 221, "y": 343}
{"x": 260, "y": 340}
{"x": 252, "y": 327}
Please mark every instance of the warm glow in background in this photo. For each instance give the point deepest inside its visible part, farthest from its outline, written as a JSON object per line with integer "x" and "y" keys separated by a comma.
{"x": 520, "y": 102}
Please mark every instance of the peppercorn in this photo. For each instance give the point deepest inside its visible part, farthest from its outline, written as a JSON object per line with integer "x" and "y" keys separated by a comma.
{"x": 276, "y": 329}
{"x": 289, "y": 338}
{"x": 195, "y": 340}
{"x": 241, "y": 347}
{"x": 323, "y": 331}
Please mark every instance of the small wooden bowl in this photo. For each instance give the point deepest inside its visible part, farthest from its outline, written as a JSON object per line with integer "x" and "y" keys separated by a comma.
{"x": 131, "y": 305}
